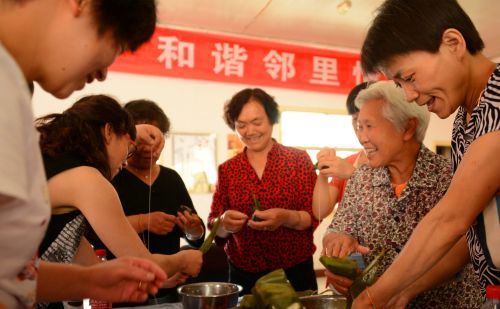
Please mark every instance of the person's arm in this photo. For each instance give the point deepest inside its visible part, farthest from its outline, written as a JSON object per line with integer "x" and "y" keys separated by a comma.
{"x": 446, "y": 223}
{"x": 344, "y": 221}
{"x": 100, "y": 204}
{"x": 446, "y": 269}
{"x": 85, "y": 255}
{"x": 156, "y": 222}
{"x": 123, "y": 279}
{"x": 325, "y": 197}
{"x": 136, "y": 221}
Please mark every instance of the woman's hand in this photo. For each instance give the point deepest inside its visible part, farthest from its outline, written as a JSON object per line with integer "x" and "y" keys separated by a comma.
{"x": 330, "y": 165}
{"x": 233, "y": 221}
{"x": 125, "y": 279}
{"x": 269, "y": 219}
{"x": 157, "y": 222}
{"x": 340, "y": 283}
{"x": 190, "y": 224}
{"x": 190, "y": 262}
{"x": 149, "y": 135}
{"x": 175, "y": 280}
{"x": 341, "y": 245}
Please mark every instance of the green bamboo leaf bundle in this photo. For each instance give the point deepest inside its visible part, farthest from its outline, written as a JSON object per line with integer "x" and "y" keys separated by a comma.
{"x": 210, "y": 238}
{"x": 365, "y": 279}
{"x": 340, "y": 266}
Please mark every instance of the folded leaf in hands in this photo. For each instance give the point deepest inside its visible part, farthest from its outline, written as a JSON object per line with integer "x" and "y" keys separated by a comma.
{"x": 256, "y": 206}
{"x": 210, "y": 238}
{"x": 340, "y": 266}
{"x": 365, "y": 279}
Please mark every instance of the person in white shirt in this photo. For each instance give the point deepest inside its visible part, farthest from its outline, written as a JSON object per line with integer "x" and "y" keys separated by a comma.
{"x": 64, "y": 45}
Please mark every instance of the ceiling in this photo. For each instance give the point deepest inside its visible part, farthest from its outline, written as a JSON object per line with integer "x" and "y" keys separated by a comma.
{"x": 306, "y": 22}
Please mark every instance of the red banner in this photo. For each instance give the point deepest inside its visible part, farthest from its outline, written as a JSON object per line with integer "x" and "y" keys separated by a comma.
{"x": 221, "y": 58}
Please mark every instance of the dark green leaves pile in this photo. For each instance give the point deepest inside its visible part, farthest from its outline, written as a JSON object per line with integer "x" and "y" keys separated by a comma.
{"x": 272, "y": 291}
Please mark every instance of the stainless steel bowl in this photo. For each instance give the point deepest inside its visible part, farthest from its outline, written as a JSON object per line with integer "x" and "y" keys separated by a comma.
{"x": 323, "y": 302}
{"x": 211, "y": 295}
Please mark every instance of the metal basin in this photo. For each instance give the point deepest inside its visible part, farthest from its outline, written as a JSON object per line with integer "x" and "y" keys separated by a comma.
{"x": 323, "y": 302}
{"x": 209, "y": 295}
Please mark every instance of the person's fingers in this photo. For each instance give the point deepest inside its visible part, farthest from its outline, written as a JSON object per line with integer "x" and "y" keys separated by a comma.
{"x": 335, "y": 249}
{"x": 345, "y": 250}
{"x": 146, "y": 270}
{"x": 340, "y": 283}
{"x": 341, "y": 280}
{"x": 362, "y": 249}
{"x": 342, "y": 290}
{"x": 337, "y": 286}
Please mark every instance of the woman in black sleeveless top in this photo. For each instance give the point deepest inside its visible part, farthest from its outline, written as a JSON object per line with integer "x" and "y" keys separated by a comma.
{"x": 83, "y": 149}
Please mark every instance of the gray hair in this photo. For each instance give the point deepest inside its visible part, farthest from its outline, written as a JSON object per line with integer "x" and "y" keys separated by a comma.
{"x": 396, "y": 109}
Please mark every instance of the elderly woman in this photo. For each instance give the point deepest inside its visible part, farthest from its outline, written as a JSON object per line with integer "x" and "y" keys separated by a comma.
{"x": 282, "y": 179}
{"x": 387, "y": 198}
{"x": 434, "y": 52}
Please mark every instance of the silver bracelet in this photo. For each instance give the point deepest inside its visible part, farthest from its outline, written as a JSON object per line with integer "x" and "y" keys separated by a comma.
{"x": 193, "y": 238}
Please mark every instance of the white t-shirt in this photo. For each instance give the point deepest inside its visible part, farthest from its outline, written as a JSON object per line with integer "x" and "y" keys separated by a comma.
{"x": 24, "y": 200}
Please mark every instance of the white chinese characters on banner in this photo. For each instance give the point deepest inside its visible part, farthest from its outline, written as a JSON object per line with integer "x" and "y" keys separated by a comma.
{"x": 230, "y": 59}
{"x": 175, "y": 51}
{"x": 325, "y": 71}
{"x": 280, "y": 65}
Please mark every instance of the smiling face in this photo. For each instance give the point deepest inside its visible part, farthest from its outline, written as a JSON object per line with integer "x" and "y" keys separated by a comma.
{"x": 254, "y": 128}
{"x": 73, "y": 52}
{"x": 79, "y": 62}
{"x": 435, "y": 80}
{"x": 381, "y": 140}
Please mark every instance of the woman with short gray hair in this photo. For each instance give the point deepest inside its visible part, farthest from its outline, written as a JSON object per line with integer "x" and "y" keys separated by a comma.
{"x": 387, "y": 198}
{"x": 396, "y": 109}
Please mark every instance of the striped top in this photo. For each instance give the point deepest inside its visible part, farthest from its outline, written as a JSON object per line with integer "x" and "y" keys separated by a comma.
{"x": 484, "y": 236}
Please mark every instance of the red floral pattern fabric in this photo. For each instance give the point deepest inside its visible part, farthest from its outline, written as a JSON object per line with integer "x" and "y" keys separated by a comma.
{"x": 287, "y": 182}
{"x": 371, "y": 213}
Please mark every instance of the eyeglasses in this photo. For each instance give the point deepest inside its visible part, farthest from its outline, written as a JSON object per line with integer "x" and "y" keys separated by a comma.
{"x": 131, "y": 150}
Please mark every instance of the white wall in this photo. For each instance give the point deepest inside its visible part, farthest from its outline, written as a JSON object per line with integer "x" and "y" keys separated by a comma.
{"x": 196, "y": 107}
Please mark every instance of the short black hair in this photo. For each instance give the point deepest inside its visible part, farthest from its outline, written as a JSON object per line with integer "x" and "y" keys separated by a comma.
{"x": 404, "y": 26}
{"x": 146, "y": 111}
{"x": 130, "y": 22}
{"x": 351, "y": 106}
{"x": 232, "y": 109}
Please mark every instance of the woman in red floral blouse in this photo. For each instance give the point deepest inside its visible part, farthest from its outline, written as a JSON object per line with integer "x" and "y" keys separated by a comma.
{"x": 282, "y": 179}
{"x": 387, "y": 198}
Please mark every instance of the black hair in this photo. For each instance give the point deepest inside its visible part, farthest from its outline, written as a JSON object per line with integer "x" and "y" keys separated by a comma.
{"x": 350, "y": 102}
{"x": 232, "y": 109}
{"x": 146, "y": 111}
{"x": 78, "y": 130}
{"x": 404, "y": 26}
{"x": 130, "y": 22}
